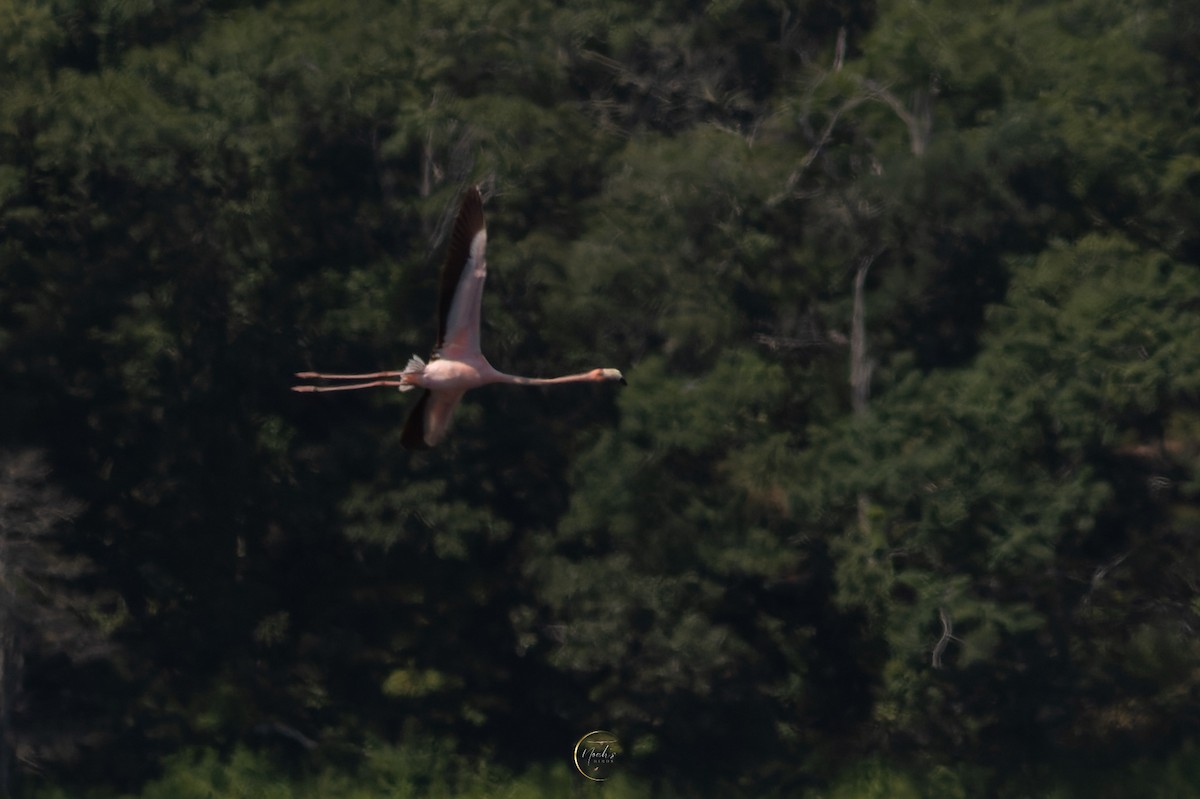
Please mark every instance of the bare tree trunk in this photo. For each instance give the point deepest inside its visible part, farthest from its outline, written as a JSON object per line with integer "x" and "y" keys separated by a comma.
{"x": 947, "y": 636}
{"x": 5, "y": 722}
{"x": 861, "y": 365}
{"x": 7, "y": 652}
{"x": 427, "y": 166}
{"x": 9, "y": 677}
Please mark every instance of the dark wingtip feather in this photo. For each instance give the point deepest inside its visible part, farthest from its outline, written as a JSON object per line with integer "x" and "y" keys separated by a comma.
{"x": 413, "y": 435}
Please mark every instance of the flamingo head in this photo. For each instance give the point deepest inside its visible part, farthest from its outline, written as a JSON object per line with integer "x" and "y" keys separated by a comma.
{"x": 610, "y": 374}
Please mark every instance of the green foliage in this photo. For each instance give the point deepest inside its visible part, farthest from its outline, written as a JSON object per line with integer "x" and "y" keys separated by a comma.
{"x": 983, "y": 568}
{"x": 988, "y": 489}
{"x": 422, "y": 769}
{"x": 875, "y": 781}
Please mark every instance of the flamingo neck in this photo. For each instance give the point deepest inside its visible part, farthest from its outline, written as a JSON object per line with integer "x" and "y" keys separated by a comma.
{"x": 517, "y": 380}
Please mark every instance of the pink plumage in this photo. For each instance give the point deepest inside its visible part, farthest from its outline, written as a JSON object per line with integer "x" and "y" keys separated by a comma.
{"x": 457, "y": 364}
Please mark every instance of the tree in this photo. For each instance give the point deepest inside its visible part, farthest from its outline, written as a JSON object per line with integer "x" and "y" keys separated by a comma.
{"x": 1004, "y": 508}
{"x": 989, "y": 213}
{"x": 44, "y": 609}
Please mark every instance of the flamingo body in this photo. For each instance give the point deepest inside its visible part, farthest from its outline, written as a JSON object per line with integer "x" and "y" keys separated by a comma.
{"x": 457, "y": 364}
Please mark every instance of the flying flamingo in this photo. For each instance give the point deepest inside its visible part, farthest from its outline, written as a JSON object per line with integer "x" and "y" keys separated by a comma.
{"x": 457, "y": 364}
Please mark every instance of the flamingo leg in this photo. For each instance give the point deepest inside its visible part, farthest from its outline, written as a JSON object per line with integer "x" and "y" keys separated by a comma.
{"x": 351, "y": 387}
{"x": 366, "y": 376}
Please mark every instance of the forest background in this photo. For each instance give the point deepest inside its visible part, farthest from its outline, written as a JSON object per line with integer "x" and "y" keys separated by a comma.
{"x": 902, "y": 498}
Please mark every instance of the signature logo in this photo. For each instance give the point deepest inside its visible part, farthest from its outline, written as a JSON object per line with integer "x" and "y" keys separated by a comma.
{"x": 596, "y": 755}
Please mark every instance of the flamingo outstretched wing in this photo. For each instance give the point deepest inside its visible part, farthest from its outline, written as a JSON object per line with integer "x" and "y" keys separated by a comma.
{"x": 463, "y": 274}
{"x": 457, "y": 364}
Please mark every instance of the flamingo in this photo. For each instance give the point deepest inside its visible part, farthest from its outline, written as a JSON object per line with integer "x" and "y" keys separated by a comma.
{"x": 457, "y": 364}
